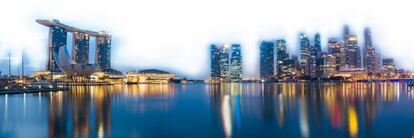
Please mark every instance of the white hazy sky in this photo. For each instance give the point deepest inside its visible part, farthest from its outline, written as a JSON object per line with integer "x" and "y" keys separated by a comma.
{"x": 175, "y": 34}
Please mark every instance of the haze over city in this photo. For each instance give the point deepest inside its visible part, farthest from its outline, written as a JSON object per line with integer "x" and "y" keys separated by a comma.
{"x": 175, "y": 35}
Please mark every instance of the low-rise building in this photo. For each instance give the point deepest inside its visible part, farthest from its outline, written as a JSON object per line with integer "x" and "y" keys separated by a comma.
{"x": 352, "y": 73}
{"x": 149, "y": 76}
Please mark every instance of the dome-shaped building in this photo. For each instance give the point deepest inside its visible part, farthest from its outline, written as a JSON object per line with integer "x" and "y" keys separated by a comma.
{"x": 149, "y": 76}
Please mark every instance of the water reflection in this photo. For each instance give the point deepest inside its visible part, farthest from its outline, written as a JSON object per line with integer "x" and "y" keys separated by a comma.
{"x": 85, "y": 103}
{"x": 346, "y": 108}
{"x": 80, "y": 111}
{"x": 213, "y": 110}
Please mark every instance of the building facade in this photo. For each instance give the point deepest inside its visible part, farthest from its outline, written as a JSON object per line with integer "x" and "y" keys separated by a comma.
{"x": 226, "y": 62}
{"x": 214, "y": 61}
{"x": 305, "y": 54}
{"x": 370, "y": 55}
{"x": 330, "y": 65}
{"x": 389, "y": 65}
{"x": 236, "y": 68}
{"x": 80, "y": 48}
{"x": 103, "y": 53}
{"x": 353, "y": 56}
{"x": 316, "y": 58}
{"x": 57, "y": 38}
{"x": 335, "y": 49}
{"x": 78, "y": 64}
{"x": 267, "y": 72}
{"x": 282, "y": 60}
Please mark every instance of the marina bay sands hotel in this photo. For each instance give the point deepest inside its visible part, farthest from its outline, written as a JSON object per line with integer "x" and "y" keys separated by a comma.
{"x": 58, "y": 33}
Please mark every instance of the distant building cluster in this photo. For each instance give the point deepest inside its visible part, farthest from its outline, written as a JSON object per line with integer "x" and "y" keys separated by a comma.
{"x": 343, "y": 60}
{"x": 226, "y": 62}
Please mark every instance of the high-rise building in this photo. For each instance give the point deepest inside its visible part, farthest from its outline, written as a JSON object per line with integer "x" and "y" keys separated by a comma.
{"x": 316, "y": 60}
{"x": 305, "y": 54}
{"x": 79, "y": 65}
{"x": 103, "y": 52}
{"x": 236, "y": 68}
{"x": 215, "y": 61}
{"x": 57, "y": 38}
{"x": 343, "y": 55}
{"x": 370, "y": 55}
{"x": 296, "y": 67}
{"x": 350, "y": 52}
{"x": 346, "y": 32}
{"x": 267, "y": 61}
{"x": 226, "y": 65}
{"x": 80, "y": 48}
{"x": 378, "y": 64}
{"x": 367, "y": 37}
{"x": 353, "y": 56}
{"x": 282, "y": 59}
{"x": 389, "y": 65}
{"x": 344, "y": 46}
{"x": 317, "y": 42}
{"x": 334, "y": 50}
{"x": 330, "y": 65}
{"x": 224, "y": 62}
{"x": 320, "y": 61}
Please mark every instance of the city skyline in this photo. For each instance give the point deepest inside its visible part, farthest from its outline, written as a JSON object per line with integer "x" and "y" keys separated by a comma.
{"x": 313, "y": 58}
{"x": 234, "y": 68}
{"x": 149, "y": 34}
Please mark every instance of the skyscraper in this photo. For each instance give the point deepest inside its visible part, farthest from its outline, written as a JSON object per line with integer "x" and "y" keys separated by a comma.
{"x": 344, "y": 46}
{"x": 378, "y": 64}
{"x": 79, "y": 65}
{"x": 226, "y": 65}
{"x": 305, "y": 54}
{"x": 57, "y": 38}
{"x": 80, "y": 48}
{"x": 320, "y": 64}
{"x": 350, "y": 52}
{"x": 103, "y": 52}
{"x": 236, "y": 68}
{"x": 296, "y": 66}
{"x": 317, "y": 42}
{"x": 224, "y": 62}
{"x": 334, "y": 50}
{"x": 370, "y": 55}
{"x": 346, "y": 33}
{"x": 316, "y": 59}
{"x": 282, "y": 59}
{"x": 267, "y": 61}
{"x": 353, "y": 56}
{"x": 330, "y": 65}
{"x": 215, "y": 61}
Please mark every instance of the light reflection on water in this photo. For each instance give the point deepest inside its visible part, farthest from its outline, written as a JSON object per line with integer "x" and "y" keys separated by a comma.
{"x": 213, "y": 110}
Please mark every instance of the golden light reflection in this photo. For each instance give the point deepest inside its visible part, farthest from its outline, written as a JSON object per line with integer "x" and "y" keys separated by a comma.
{"x": 304, "y": 122}
{"x": 143, "y": 90}
{"x": 226, "y": 115}
{"x": 226, "y": 101}
{"x": 339, "y": 103}
{"x": 353, "y": 121}
{"x": 76, "y": 107}
{"x": 338, "y": 98}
